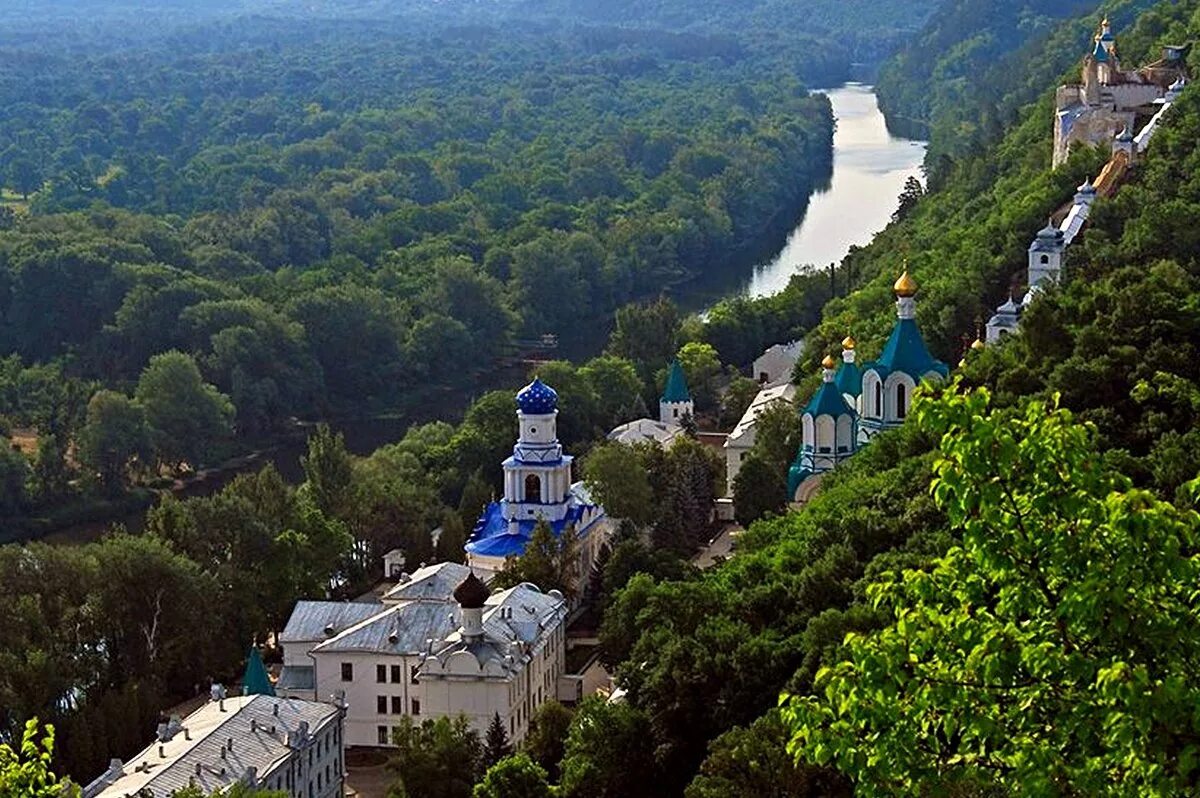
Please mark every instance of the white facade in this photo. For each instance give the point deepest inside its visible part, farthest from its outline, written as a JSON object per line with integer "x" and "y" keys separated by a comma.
{"x": 265, "y": 742}
{"x": 775, "y": 365}
{"x": 741, "y": 440}
{"x": 393, "y": 662}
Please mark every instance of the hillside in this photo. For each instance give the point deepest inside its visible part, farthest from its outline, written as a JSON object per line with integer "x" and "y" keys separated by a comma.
{"x": 1116, "y": 343}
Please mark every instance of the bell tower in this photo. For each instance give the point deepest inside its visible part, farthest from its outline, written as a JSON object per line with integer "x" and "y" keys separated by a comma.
{"x": 537, "y": 478}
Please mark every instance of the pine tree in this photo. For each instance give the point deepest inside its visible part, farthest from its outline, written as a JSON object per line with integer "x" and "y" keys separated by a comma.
{"x": 496, "y": 745}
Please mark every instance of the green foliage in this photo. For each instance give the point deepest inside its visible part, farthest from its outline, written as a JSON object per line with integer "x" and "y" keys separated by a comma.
{"x": 440, "y": 758}
{"x": 25, "y": 771}
{"x": 758, "y": 490}
{"x": 1047, "y": 653}
{"x": 14, "y": 478}
{"x": 185, "y": 414}
{"x": 514, "y": 777}
{"x": 617, "y": 479}
{"x": 607, "y": 755}
{"x": 328, "y": 472}
{"x": 702, "y": 367}
{"x": 114, "y": 435}
{"x": 753, "y": 761}
{"x": 495, "y": 742}
{"x": 546, "y": 740}
{"x": 551, "y": 562}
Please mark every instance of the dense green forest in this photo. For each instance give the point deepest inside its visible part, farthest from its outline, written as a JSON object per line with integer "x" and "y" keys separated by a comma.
{"x": 346, "y": 216}
{"x": 1091, "y": 409}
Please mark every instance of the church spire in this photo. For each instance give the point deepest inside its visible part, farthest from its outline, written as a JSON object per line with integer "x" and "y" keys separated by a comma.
{"x": 676, "y": 400}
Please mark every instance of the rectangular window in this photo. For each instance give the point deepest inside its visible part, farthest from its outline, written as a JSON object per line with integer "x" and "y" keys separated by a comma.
{"x": 381, "y": 704}
{"x": 397, "y": 705}
{"x": 383, "y": 735}
{"x": 396, "y": 674}
{"x": 381, "y": 673}
{"x": 416, "y": 706}
{"x": 347, "y": 671}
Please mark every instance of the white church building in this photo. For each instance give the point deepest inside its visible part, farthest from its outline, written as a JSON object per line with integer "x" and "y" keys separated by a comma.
{"x": 854, "y": 405}
{"x": 438, "y": 644}
{"x": 537, "y": 486}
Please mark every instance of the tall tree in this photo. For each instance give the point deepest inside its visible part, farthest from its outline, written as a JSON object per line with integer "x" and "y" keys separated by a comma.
{"x": 606, "y": 753}
{"x": 328, "y": 472}
{"x": 440, "y": 758}
{"x": 618, "y": 480}
{"x": 495, "y": 742}
{"x": 114, "y": 434}
{"x": 758, "y": 489}
{"x": 547, "y": 737}
{"x": 1048, "y": 653}
{"x": 186, "y": 415}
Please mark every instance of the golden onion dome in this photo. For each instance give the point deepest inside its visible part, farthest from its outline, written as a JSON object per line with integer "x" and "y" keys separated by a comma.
{"x": 905, "y": 286}
{"x": 977, "y": 345}
{"x": 829, "y": 362}
{"x": 848, "y": 342}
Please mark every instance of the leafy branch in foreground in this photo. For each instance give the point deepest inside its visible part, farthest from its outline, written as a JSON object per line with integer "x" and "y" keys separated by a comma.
{"x": 1053, "y": 652}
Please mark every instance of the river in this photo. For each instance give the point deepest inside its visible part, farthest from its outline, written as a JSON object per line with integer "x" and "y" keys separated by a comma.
{"x": 870, "y": 166}
{"x": 869, "y": 169}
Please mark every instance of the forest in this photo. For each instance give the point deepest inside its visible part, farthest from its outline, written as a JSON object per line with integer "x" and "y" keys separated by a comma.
{"x": 912, "y": 548}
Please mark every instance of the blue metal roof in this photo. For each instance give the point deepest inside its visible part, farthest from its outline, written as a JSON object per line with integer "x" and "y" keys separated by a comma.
{"x": 796, "y": 476}
{"x": 492, "y": 536}
{"x": 906, "y": 352}
{"x": 849, "y": 379}
{"x": 1100, "y": 53}
{"x": 537, "y": 398}
{"x": 828, "y": 401}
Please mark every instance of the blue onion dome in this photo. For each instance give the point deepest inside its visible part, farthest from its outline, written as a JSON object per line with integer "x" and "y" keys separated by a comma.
{"x": 537, "y": 399}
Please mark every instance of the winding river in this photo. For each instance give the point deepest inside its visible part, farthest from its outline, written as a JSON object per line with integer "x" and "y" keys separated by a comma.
{"x": 870, "y": 166}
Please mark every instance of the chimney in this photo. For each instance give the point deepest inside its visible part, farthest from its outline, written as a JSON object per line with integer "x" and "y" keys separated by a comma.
{"x": 162, "y": 751}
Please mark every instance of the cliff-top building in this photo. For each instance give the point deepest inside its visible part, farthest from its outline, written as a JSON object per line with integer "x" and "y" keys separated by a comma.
{"x": 1110, "y": 100}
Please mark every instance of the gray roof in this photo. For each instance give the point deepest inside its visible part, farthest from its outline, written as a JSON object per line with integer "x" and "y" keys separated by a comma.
{"x": 519, "y": 615}
{"x": 296, "y": 677}
{"x": 310, "y": 618}
{"x": 401, "y": 629}
{"x": 431, "y": 583}
{"x": 210, "y": 729}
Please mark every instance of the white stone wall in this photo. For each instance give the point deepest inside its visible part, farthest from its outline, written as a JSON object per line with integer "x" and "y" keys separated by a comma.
{"x": 461, "y": 686}
{"x": 362, "y": 693}
{"x": 316, "y": 769}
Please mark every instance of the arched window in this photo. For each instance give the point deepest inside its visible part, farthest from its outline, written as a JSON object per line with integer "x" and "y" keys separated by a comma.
{"x": 901, "y": 409}
{"x": 1045, "y": 259}
{"x": 533, "y": 488}
{"x": 879, "y": 400}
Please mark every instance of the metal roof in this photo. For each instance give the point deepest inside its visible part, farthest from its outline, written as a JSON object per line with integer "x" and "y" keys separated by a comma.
{"x": 309, "y": 619}
{"x": 431, "y": 583}
{"x": 260, "y": 741}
